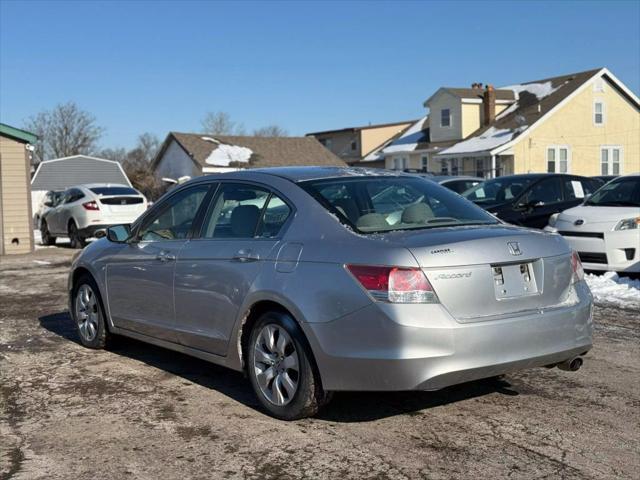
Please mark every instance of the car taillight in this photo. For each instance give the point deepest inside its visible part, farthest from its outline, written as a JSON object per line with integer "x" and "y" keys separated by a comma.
{"x": 576, "y": 267}
{"x": 394, "y": 284}
{"x": 91, "y": 205}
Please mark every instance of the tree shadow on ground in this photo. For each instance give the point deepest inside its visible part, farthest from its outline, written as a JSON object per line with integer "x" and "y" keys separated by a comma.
{"x": 345, "y": 407}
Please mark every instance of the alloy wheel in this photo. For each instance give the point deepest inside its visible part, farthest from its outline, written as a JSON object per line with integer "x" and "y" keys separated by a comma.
{"x": 87, "y": 312}
{"x": 276, "y": 364}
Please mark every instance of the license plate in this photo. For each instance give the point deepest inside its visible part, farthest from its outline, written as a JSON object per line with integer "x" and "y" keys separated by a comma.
{"x": 514, "y": 280}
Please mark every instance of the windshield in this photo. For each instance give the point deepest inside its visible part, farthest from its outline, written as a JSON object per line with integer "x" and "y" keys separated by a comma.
{"x": 497, "y": 190}
{"x": 383, "y": 204}
{"x": 623, "y": 192}
{"x": 113, "y": 191}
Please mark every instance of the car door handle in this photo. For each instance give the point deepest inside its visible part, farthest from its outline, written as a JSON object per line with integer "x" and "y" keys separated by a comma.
{"x": 165, "y": 257}
{"x": 246, "y": 256}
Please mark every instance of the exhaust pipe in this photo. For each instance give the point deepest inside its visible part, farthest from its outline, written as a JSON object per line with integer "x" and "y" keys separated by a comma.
{"x": 571, "y": 365}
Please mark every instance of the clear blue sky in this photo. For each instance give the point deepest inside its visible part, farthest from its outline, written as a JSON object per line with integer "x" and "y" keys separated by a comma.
{"x": 159, "y": 66}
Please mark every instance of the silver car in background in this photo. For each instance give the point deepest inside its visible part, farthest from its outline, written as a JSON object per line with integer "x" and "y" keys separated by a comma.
{"x": 314, "y": 280}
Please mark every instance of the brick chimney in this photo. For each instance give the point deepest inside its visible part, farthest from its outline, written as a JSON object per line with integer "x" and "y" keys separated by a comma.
{"x": 489, "y": 104}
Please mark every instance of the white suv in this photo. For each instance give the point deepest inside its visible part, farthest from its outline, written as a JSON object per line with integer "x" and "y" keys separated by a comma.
{"x": 83, "y": 209}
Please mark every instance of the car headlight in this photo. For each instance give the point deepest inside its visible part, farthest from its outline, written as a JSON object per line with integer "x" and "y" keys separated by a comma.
{"x": 628, "y": 224}
{"x": 553, "y": 219}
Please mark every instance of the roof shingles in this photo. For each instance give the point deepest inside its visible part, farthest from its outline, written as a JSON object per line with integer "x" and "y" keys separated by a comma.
{"x": 267, "y": 151}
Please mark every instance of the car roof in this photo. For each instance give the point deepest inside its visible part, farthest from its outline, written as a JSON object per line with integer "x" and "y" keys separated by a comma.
{"x": 299, "y": 174}
{"x": 448, "y": 178}
{"x": 102, "y": 185}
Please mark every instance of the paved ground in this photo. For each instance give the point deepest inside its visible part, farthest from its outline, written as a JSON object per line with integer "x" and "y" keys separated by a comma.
{"x": 138, "y": 411}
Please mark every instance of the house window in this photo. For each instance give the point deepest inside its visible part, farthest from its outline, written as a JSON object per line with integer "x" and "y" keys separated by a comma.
{"x": 480, "y": 167}
{"x": 354, "y": 146}
{"x": 397, "y": 163}
{"x": 455, "y": 168}
{"x": 558, "y": 159}
{"x": 405, "y": 163}
{"x": 424, "y": 162}
{"x": 598, "y": 113}
{"x": 445, "y": 117}
{"x": 610, "y": 160}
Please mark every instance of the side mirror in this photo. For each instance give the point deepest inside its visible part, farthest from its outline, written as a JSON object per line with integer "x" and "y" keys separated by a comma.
{"x": 48, "y": 203}
{"x": 118, "y": 233}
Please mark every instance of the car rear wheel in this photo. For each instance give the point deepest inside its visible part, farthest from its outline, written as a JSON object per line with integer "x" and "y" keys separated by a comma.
{"x": 74, "y": 235}
{"x": 45, "y": 235}
{"x": 282, "y": 370}
{"x": 89, "y": 314}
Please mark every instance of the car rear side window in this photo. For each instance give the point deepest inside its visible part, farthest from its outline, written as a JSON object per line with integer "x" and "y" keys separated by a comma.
{"x": 113, "y": 191}
{"x": 275, "y": 216}
{"x": 73, "y": 195}
{"x": 244, "y": 211}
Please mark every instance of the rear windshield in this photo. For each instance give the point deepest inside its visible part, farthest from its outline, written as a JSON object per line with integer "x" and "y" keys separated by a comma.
{"x": 497, "y": 190}
{"x": 623, "y": 192}
{"x": 383, "y": 204}
{"x": 113, "y": 191}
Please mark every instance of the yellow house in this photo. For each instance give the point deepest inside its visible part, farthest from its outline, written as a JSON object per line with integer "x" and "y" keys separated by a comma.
{"x": 361, "y": 144}
{"x": 586, "y": 123}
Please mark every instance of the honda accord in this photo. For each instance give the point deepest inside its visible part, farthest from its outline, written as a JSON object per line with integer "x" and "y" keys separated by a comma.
{"x": 319, "y": 279}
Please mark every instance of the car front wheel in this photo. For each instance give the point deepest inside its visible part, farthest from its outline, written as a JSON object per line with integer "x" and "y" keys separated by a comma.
{"x": 45, "y": 235}
{"x": 281, "y": 368}
{"x": 74, "y": 235}
{"x": 89, "y": 314}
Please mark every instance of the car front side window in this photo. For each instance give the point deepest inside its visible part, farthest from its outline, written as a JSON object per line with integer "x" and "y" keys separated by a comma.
{"x": 545, "y": 192}
{"x": 174, "y": 220}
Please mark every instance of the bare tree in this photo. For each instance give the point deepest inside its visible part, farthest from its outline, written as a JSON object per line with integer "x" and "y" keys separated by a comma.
{"x": 145, "y": 150}
{"x": 220, "y": 123}
{"x": 117, "y": 154}
{"x": 138, "y": 166}
{"x": 64, "y": 131}
{"x": 271, "y": 131}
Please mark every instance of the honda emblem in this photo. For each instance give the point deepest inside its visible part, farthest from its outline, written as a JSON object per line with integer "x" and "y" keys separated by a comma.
{"x": 514, "y": 248}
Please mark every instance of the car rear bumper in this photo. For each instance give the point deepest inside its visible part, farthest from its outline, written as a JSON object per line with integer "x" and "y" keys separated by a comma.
{"x": 617, "y": 251}
{"x": 388, "y": 347}
{"x": 90, "y": 230}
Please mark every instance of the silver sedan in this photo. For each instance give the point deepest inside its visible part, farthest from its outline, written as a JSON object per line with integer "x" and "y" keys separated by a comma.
{"x": 314, "y": 280}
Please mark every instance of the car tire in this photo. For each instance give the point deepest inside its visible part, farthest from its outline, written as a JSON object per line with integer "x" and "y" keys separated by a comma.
{"x": 282, "y": 371}
{"x": 88, "y": 313}
{"x": 74, "y": 235}
{"x": 45, "y": 235}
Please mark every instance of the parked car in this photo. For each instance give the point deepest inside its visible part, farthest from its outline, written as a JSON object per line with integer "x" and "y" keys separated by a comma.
{"x": 605, "y": 229}
{"x": 84, "y": 209}
{"x": 458, "y": 184}
{"x": 315, "y": 279}
{"x": 530, "y": 199}
{"x": 48, "y": 201}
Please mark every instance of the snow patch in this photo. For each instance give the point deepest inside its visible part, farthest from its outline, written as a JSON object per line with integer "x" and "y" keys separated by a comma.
{"x": 227, "y": 154}
{"x": 210, "y": 139}
{"x": 409, "y": 140}
{"x": 540, "y": 90}
{"x": 490, "y": 139}
{"x": 609, "y": 289}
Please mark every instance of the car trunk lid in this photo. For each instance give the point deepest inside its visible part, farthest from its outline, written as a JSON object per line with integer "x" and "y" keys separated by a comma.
{"x": 480, "y": 273}
{"x": 123, "y": 207}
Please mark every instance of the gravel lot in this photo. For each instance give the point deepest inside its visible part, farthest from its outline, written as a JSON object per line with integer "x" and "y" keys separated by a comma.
{"x": 138, "y": 411}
